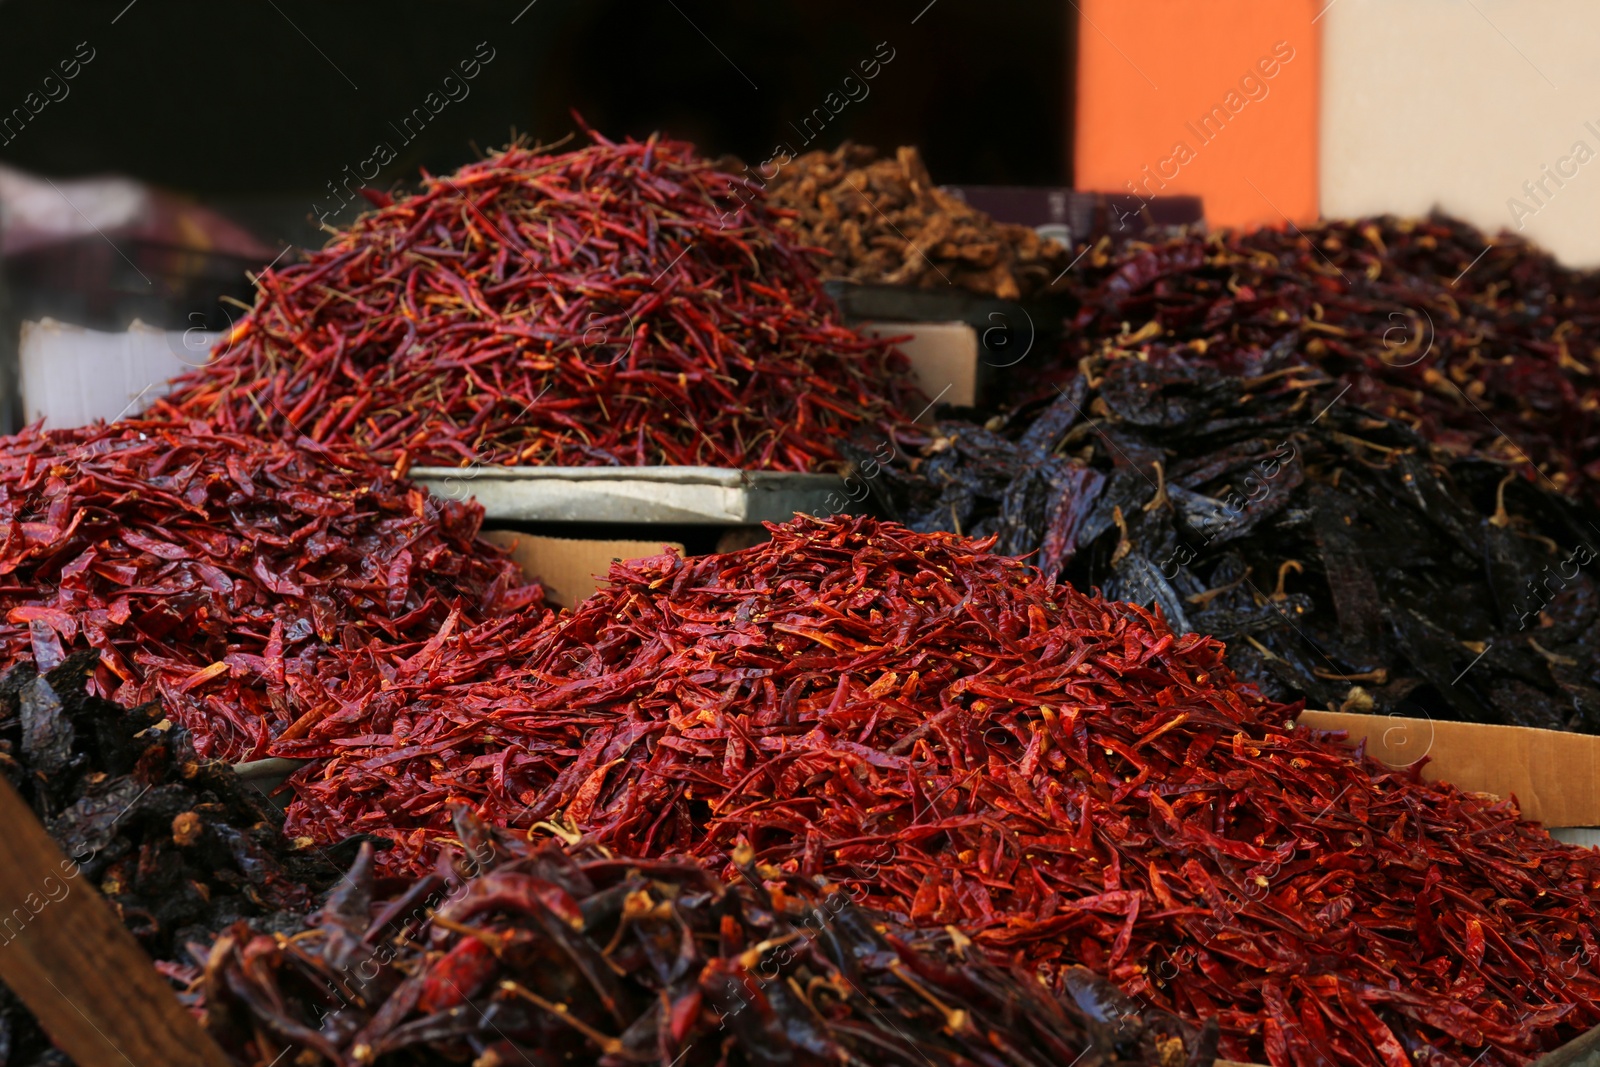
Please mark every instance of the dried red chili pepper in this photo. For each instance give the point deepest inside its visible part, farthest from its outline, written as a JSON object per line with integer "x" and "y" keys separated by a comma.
{"x": 959, "y": 741}
{"x": 619, "y": 304}
{"x": 228, "y": 576}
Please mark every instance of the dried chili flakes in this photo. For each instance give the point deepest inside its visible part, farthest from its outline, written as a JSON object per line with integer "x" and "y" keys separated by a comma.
{"x": 959, "y": 741}
{"x": 228, "y": 576}
{"x": 618, "y": 304}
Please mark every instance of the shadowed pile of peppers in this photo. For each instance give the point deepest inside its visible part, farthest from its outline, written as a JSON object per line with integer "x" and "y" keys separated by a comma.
{"x": 1337, "y": 552}
{"x": 180, "y": 847}
{"x": 956, "y": 740}
{"x": 884, "y": 220}
{"x": 228, "y": 576}
{"x": 1484, "y": 346}
{"x": 511, "y": 953}
{"x": 618, "y": 304}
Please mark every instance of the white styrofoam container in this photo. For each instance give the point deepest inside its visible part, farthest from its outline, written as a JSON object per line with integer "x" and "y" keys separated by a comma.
{"x": 1469, "y": 106}
{"x": 708, "y": 496}
{"x": 1582, "y": 836}
{"x": 71, "y": 376}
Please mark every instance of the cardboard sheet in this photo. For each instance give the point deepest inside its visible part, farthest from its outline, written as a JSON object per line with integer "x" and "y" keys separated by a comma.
{"x": 943, "y": 355}
{"x": 1554, "y": 776}
{"x": 570, "y": 568}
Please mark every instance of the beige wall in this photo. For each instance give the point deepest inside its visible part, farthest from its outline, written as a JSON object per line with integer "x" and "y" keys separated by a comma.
{"x": 1458, "y": 103}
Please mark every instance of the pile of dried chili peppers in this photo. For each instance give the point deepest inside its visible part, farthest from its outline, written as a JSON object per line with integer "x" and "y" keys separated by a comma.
{"x": 182, "y": 848}
{"x": 1485, "y": 346}
{"x": 1339, "y": 554}
{"x": 229, "y": 576}
{"x": 510, "y": 953}
{"x": 885, "y": 221}
{"x": 618, "y": 304}
{"x": 955, "y": 739}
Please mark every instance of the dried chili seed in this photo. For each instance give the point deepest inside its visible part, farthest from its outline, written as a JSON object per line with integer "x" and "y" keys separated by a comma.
{"x": 956, "y": 740}
{"x": 618, "y": 304}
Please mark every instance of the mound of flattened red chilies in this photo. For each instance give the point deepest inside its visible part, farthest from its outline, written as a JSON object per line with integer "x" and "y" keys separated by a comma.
{"x": 225, "y": 575}
{"x": 1485, "y": 347}
{"x": 958, "y": 741}
{"x": 512, "y": 953}
{"x": 618, "y": 304}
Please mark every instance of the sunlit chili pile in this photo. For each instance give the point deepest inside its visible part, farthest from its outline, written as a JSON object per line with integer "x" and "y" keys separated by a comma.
{"x": 1339, "y": 555}
{"x": 1482, "y": 345}
{"x": 510, "y": 953}
{"x": 618, "y": 304}
{"x": 958, "y": 741}
{"x": 229, "y": 576}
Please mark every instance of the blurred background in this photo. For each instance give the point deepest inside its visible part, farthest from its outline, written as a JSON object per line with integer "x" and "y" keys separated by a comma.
{"x": 153, "y": 152}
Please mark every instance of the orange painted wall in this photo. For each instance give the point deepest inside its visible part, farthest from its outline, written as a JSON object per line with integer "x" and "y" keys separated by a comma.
{"x": 1150, "y": 70}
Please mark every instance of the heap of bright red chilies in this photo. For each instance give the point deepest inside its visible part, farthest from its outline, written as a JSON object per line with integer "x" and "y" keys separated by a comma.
{"x": 229, "y": 576}
{"x": 958, "y": 741}
{"x": 618, "y": 304}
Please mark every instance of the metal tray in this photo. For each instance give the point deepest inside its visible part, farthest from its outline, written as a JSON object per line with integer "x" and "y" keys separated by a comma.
{"x": 710, "y": 496}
